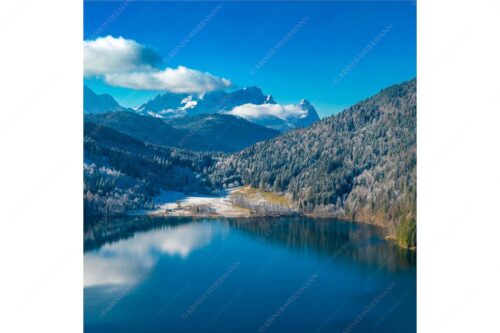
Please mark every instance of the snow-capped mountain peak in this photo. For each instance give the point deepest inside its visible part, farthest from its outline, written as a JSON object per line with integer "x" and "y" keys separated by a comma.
{"x": 269, "y": 100}
{"x": 249, "y": 103}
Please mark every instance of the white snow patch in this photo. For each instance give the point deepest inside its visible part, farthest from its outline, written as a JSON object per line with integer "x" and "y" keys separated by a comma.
{"x": 219, "y": 204}
{"x": 188, "y": 103}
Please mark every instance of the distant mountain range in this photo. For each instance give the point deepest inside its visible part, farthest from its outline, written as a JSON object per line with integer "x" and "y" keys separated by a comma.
{"x": 94, "y": 103}
{"x": 175, "y": 105}
{"x": 205, "y": 132}
{"x": 248, "y": 103}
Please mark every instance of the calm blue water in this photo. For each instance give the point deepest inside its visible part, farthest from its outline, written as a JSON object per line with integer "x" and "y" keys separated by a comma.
{"x": 248, "y": 275}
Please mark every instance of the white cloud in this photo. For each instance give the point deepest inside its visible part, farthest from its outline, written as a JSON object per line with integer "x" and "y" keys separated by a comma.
{"x": 125, "y": 63}
{"x": 107, "y": 55}
{"x": 255, "y": 111}
{"x": 177, "y": 80}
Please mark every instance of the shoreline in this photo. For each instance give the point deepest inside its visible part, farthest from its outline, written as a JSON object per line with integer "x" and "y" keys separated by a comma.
{"x": 241, "y": 202}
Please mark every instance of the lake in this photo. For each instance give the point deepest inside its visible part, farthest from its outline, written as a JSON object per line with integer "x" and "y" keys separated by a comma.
{"x": 245, "y": 275}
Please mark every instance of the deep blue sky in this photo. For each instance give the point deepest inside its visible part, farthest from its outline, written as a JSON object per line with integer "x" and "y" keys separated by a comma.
{"x": 242, "y": 33}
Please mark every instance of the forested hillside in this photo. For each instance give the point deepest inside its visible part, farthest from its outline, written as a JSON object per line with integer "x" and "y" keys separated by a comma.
{"x": 359, "y": 164}
{"x": 122, "y": 173}
{"x": 143, "y": 128}
{"x": 207, "y": 132}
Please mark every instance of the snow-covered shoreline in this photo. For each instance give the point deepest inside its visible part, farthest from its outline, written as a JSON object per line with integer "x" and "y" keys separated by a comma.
{"x": 170, "y": 203}
{"x": 234, "y": 202}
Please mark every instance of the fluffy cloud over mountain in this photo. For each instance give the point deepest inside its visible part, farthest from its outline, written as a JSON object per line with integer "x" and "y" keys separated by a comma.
{"x": 125, "y": 63}
{"x": 282, "y": 117}
{"x": 250, "y": 111}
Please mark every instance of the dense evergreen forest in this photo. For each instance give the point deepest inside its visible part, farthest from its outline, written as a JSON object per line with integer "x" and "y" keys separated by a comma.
{"x": 359, "y": 164}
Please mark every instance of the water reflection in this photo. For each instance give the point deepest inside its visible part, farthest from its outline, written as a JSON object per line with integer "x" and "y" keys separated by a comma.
{"x": 98, "y": 232}
{"x": 126, "y": 250}
{"x": 125, "y": 261}
{"x": 357, "y": 242}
